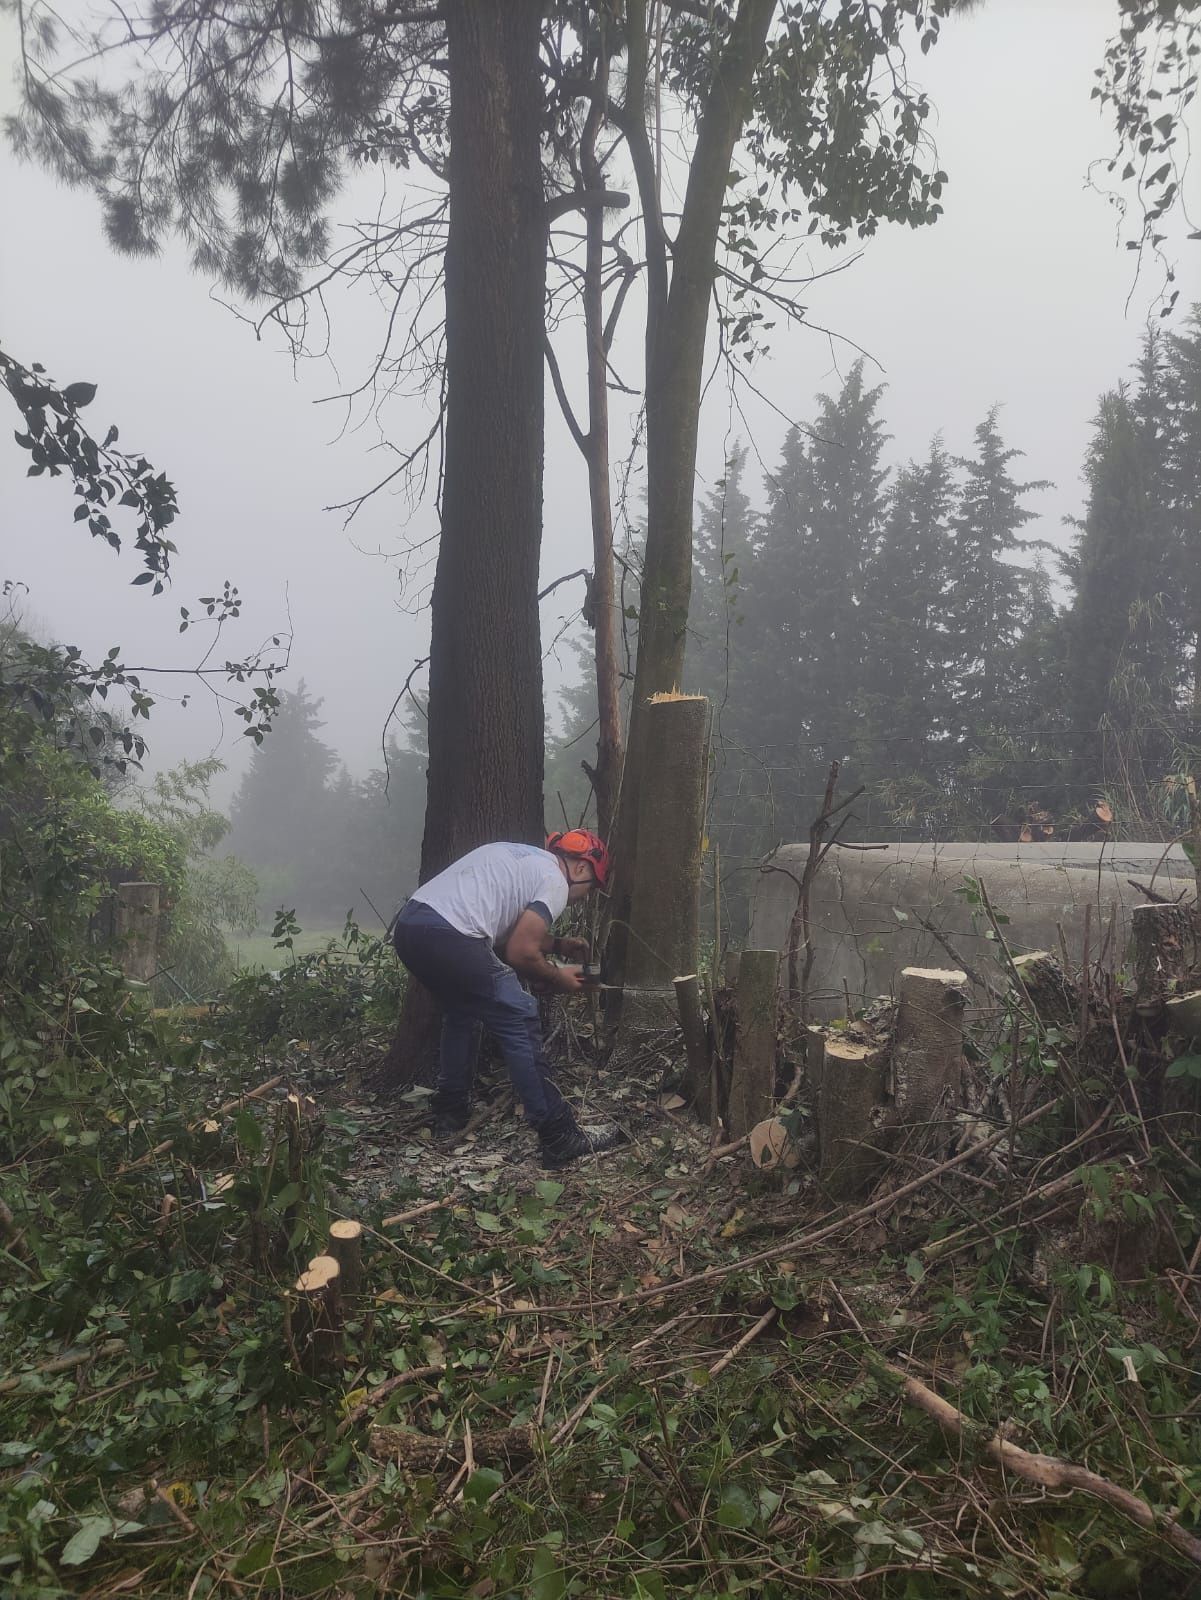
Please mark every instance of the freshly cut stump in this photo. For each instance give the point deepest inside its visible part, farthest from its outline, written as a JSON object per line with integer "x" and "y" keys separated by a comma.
{"x": 346, "y": 1246}
{"x": 772, "y": 1146}
{"x": 316, "y": 1316}
{"x": 927, "y": 1052}
{"x": 852, "y": 1092}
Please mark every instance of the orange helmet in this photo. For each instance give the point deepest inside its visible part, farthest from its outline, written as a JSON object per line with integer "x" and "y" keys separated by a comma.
{"x": 584, "y": 846}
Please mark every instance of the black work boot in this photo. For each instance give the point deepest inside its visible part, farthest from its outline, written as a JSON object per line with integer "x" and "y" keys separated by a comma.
{"x": 450, "y": 1114}
{"x": 563, "y": 1141}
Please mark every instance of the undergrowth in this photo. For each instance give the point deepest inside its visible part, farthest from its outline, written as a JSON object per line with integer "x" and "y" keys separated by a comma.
{"x": 161, "y": 1439}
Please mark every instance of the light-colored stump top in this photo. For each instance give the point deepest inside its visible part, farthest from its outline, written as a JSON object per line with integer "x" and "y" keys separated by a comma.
{"x": 950, "y": 975}
{"x": 321, "y": 1272}
{"x": 848, "y": 1050}
{"x": 345, "y": 1228}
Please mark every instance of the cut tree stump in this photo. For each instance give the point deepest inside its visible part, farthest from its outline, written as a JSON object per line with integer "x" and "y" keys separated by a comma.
{"x": 1184, "y": 1015}
{"x": 1053, "y": 995}
{"x": 927, "y": 1050}
{"x": 316, "y": 1316}
{"x": 346, "y": 1246}
{"x": 851, "y": 1099}
{"x": 753, "y": 1081}
{"x": 699, "y": 1070}
{"x": 1165, "y": 953}
{"x": 771, "y": 1145}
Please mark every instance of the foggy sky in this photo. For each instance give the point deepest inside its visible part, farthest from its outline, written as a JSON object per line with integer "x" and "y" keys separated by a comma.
{"x": 1017, "y": 296}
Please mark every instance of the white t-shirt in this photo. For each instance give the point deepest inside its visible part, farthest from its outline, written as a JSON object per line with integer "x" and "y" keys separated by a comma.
{"x": 484, "y": 892}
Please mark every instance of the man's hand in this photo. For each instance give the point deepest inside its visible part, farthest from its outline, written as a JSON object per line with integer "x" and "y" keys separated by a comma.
{"x": 574, "y": 949}
{"x": 569, "y": 979}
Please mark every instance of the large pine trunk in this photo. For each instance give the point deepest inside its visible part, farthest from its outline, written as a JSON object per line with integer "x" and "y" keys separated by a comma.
{"x": 485, "y": 704}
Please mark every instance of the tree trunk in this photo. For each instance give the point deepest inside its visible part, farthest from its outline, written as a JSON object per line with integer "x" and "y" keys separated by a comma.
{"x": 698, "y": 1077}
{"x": 677, "y": 325}
{"x": 485, "y": 705}
{"x": 667, "y": 904}
{"x": 753, "y": 1081}
{"x": 137, "y": 930}
{"x": 606, "y": 778}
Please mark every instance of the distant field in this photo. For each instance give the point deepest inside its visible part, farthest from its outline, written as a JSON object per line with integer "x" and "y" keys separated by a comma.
{"x": 257, "y": 953}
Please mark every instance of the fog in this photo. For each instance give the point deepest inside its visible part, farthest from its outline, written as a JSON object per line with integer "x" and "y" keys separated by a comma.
{"x": 1021, "y": 295}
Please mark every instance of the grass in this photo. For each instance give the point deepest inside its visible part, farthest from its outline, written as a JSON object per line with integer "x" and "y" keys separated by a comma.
{"x": 256, "y": 952}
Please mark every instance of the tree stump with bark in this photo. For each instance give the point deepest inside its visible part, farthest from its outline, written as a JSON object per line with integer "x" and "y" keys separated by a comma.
{"x": 753, "y": 1080}
{"x": 1166, "y": 954}
{"x": 315, "y": 1317}
{"x": 851, "y": 1103}
{"x": 345, "y": 1245}
{"x": 1054, "y": 996}
{"x": 927, "y": 1050}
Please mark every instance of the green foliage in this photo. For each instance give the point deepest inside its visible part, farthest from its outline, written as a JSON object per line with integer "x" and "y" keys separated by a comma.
{"x": 344, "y": 995}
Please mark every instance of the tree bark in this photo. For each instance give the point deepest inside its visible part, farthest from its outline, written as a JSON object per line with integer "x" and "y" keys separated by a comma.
{"x": 667, "y": 903}
{"x": 315, "y": 1317}
{"x": 753, "y": 1081}
{"x": 137, "y": 929}
{"x": 927, "y": 1052}
{"x": 677, "y": 325}
{"x": 603, "y": 599}
{"x": 345, "y": 1245}
{"x": 852, "y": 1090}
{"x": 485, "y": 705}
{"x": 698, "y": 1075}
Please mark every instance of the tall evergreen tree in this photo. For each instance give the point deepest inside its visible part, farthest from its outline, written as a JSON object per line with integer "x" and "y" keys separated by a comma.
{"x": 989, "y": 597}
{"x": 1182, "y": 491}
{"x": 905, "y": 705}
{"x": 1121, "y": 667}
{"x": 280, "y": 814}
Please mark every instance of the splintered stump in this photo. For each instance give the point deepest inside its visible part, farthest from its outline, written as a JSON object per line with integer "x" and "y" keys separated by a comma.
{"x": 1184, "y": 1015}
{"x": 927, "y": 1051}
{"x": 852, "y": 1091}
{"x": 345, "y": 1244}
{"x": 1166, "y": 953}
{"x": 316, "y": 1316}
{"x": 665, "y": 901}
{"x": 698, "y": 1072}
{"x": 1051, "y": 992}
{"x": 753, "y": 1082}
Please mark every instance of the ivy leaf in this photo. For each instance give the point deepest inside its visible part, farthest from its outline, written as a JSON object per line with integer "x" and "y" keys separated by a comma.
{"x": 737, "y": 1508}
{"x": 482, "y": 1485}
{"x": 85, "y": 1541}
{"x": 488, "y": 1221}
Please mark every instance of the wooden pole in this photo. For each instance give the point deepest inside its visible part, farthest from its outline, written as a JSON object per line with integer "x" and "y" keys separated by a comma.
{"x": 137, "y": 930}
{"x": 753, "y": 1082}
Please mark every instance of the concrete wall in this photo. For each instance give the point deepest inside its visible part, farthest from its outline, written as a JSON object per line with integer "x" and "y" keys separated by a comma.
{"x": 863, "y": 905}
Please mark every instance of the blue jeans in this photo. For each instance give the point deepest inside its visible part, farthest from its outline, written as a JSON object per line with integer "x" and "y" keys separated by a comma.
{"x": 477, "y": 989}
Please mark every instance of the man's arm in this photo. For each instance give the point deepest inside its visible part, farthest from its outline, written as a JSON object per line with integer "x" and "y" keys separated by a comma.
{"x": 526, "y": 950}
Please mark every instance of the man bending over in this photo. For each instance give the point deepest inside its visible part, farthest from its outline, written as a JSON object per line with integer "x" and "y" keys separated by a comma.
{"x": 503, "y": 898}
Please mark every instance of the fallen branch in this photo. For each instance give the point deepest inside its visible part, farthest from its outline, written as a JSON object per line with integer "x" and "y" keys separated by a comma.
{"x": 749, "y": 1337}
{"x": 378, "y": 1395}
{"x": 77, "y": 1358}
{"x": 402, "y": 1217}
{"x": 230, "y": 1105}
{"x": 1049, "y": 1472}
